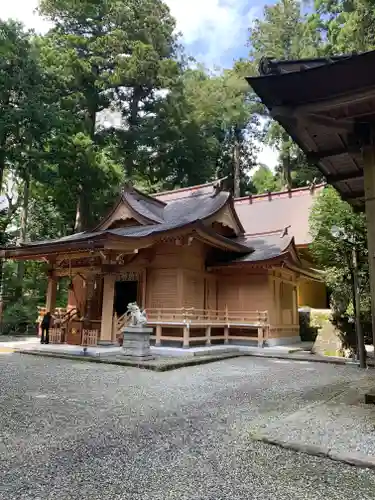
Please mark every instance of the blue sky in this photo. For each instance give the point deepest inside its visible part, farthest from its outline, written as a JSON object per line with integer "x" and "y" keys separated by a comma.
{"x": 215, "y": 32}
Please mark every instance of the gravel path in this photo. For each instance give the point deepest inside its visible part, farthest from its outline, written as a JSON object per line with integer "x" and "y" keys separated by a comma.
{"x": 73, "y": 430}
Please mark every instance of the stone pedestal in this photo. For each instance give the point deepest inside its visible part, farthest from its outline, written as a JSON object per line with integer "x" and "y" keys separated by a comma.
{"x": 136, "y": 343}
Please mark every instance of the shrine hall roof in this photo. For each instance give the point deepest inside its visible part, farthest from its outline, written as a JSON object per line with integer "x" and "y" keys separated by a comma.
{"x": 189, "y": 208}
{"x": 327, "y": 106}
{"x": 266, "y": 246}
{"x": 271, "y": 212}
{"x": 263, "y": 213}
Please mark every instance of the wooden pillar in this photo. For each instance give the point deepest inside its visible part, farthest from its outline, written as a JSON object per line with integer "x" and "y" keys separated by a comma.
{"x": 51, "y": 293}
{"x": 295, "y": 306}
{"x": 144, "y": 288}
{"x": 260, "y": 336}
{"x": 90, "y": 291}
{"x": 107, "y": 309}
{"x": 158, "y": 335}
{"x": 208, "y": 335}
{"x": 186, "y": 339}
{"x": 226, "y": 334}
{"x": 369, "y": 180}
{"x": 180, "y": 288}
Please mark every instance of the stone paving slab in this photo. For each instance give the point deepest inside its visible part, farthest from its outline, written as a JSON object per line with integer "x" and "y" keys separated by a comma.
{"x": 340, "y": 427}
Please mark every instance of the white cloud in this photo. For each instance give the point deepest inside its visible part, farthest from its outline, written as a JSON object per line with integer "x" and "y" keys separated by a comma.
{"x": 214, "y": 26}
{"x": 268, "y": 156}
{"x": 209, "y": 27}
{"x": 24, "y": 11}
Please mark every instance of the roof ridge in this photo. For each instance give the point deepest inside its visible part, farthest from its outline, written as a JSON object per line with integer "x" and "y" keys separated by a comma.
{"x": 189, "y": 188}
{"x": 132, "y": 189}
{"x": 285, "y": 191}
{"x": 266, "y": 233}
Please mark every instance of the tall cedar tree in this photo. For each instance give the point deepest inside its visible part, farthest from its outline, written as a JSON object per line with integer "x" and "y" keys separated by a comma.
{"x": 114, "y": 56}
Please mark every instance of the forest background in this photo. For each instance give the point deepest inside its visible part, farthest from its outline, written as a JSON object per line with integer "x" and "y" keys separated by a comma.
{"x": 109, "y": 95}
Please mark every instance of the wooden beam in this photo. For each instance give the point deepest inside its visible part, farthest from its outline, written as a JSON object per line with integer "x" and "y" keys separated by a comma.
{"x": 329, "y": 104}
{"x": 331, "y": 179}
{"x": 321, "y": 155}
{"x": 294, "y": 113}
{"x": 77, "y": 270}
{"x": 327, "y": 122}
{"x": 353, "y": 195}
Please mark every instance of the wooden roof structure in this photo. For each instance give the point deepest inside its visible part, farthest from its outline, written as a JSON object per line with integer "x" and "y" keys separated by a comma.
{"x": 327, "y": 106}
{"x": 287, "y": 210}
{"x": 190, "y": 212}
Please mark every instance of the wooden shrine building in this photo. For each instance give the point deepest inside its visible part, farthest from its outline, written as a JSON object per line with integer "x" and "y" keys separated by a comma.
{"x": 187, "y": 258}
{"x": 327, "y": 106}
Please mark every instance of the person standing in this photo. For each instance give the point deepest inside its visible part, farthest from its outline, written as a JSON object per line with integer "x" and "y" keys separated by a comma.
{"x": 45, "y": 325}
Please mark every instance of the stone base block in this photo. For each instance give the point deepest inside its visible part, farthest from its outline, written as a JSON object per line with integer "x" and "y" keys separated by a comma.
{"x": 136, "y": 344}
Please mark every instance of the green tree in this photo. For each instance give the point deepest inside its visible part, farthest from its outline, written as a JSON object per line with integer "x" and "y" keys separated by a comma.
{"x": 285, "y": 32}
{"x": 334, "y": 255}
{"x": 23, "y": 101}
{"x": 196, "y": 127}
{"x": 111, "y": 56}
{"x": 346, "y": 26}
{"x": 264, "y": 180}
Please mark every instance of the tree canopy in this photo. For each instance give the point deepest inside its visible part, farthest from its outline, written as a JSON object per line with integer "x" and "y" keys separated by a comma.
{"x": 109, "y": 95}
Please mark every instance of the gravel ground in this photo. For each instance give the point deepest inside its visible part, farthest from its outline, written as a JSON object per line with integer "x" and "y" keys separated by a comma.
{"x": 347, "y": 424}
{"x": 72, "y": 430}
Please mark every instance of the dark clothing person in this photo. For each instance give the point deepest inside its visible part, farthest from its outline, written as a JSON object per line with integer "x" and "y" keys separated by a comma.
{"x": 45, "y": 324}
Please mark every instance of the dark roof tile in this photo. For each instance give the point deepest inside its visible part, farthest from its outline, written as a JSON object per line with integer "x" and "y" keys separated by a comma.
{"x": 265, "y": 247}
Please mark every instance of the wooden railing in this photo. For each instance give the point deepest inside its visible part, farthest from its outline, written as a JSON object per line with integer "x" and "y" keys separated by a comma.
{"x": 89, "y": 337}
{"x": 192, "y": 316}
{"x": 122, "y": 321}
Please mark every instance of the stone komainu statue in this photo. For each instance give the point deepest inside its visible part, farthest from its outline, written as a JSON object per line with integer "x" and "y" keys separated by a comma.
{"x": 137, "y": 317}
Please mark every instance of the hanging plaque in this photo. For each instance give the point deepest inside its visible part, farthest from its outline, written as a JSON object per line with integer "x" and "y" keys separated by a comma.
{"x": 128, "y": 276}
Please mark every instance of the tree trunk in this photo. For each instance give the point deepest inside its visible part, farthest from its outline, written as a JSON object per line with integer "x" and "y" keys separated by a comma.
{"x": 81, "y": 222}
{"x": 23, "y": 228}
{"x": 138, "y": 95}
{"x": 2, "y": 169}
{"x": 236, "y": 167}
{"x": 288, "y": 173}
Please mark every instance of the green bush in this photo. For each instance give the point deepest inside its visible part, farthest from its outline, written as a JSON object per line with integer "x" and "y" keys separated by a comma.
{"x": 307, "y": 333}
{"x": 318, "y": 317}
{"x": 19, "y": 318}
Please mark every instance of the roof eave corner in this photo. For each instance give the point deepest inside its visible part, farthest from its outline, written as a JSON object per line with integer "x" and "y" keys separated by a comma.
{"x": 235, "y": 214}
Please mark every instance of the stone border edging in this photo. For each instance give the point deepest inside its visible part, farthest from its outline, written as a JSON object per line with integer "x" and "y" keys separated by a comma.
{"x": 294, "y": 357}
{"x": 353, "y": 459}
{"x": 196, "y": 360}
{"x": 174, "y": 365}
